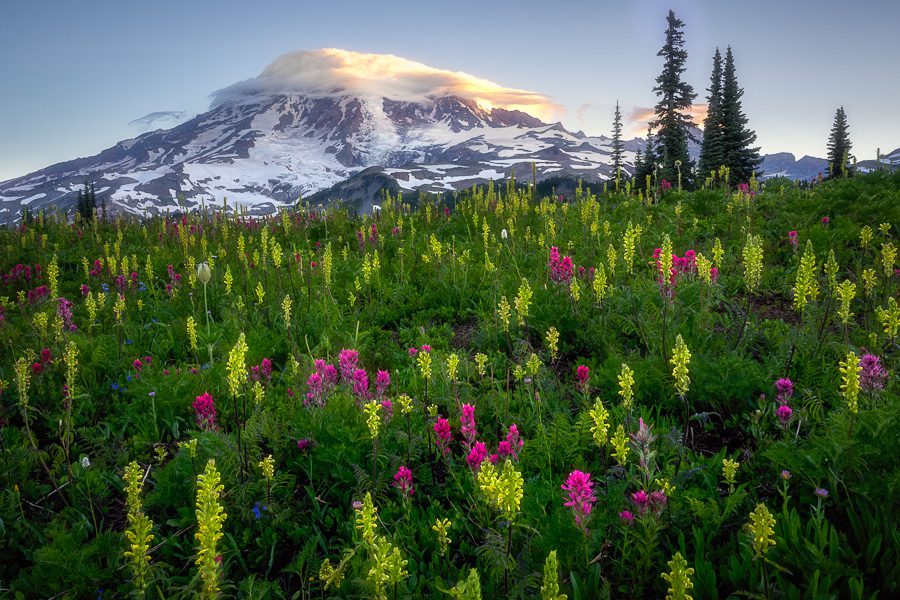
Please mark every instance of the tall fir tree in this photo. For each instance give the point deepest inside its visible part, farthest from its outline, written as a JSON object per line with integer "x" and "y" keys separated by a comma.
{"x": 617, "y": 148}
{"x": 712, "y": 155}
{"x": 839, "y": 145}
{"x": 646, "y": 164}
{"x": 675, "y": 99}
{"x": 737, "y": 139}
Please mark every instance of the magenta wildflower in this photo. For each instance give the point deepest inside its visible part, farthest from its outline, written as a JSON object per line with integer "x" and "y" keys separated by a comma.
{"x": 316, "y": 393}
{"x": 641, "y": 499}
{"x": 361, "y": 384}
{"x": 512, "y": 444}
{"x": 467, "y": 421}
{"x": 403, "y": 481}
{"x": 348, "y": 359}
{"x": 413, "y": 352}
{"x": 305, "y": 444}
{"x": 792, "y": 238}
{"x": 560, "y": 268}
{"x": 581, "y": 496}
{"x": 425, "y": 348}
{"x": 442, "y": 435}
{"x": 627, "y": 517}
{"x": 382, "y": 381}
{"x": 64, "y": 310}
{"x": 826, "y": 220}
{"x": 388, "y": 407}
{"x": 784, "y": 414}
{"x": 583, "y": 374}
{"x": 872, "y": 375}
{"x": 477, "y": 455}
{"x": 205, "y": 412}
{"x": 658, "y": 500}
{"x": 784, "y": 388}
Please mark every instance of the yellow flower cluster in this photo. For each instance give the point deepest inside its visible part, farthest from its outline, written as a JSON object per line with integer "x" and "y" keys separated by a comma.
{"x": 502, "y": 487}
{"x": 192, "y": 332}
{"x": 373, "y": 420}
{"x": 503, "y": 312}
{"x": 139, "y": 532}
{"x": 806, "y": 286}
{"x": 619, "y": 443}
{"x": 452, "y": 366}
{"x": 210, "y": 517}
{"x": 626, "y": 386}
{"x": 845, "y": 292}
{"x": 71, "y": 360}
{"x": 752, "y": 258}
{"x": 679, "y": 579}
{"x": 681, "y": 358}
{"x": 600, "y": 417}
{"x": 237, "y": 368}
{"x": 267, "y": 467}
{"x": 523, "y": 302}
{"x": 889, "y": 317}
{"x": 762, "y": 529}
{"x": 729, "y": 470}
{"x": 286, "y": 306}
{"x": 850, "y": 370}
{"x": 442, "y": 528}
{"x": 424, "y": 361}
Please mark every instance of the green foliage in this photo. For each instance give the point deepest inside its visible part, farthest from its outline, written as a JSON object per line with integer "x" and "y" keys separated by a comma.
{"x": 67, "y": 526}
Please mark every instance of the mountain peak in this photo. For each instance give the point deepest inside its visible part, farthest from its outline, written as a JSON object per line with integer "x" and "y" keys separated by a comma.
{"x": 332, "y": 71}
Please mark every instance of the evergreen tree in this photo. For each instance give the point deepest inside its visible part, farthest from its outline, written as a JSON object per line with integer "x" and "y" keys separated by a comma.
{"x": 617, "y": 148}
{"x": 839, "y": 145}
{"x": 648, "y": 161}
{"x": 638, "y": 166}
{"x": 737, "y": 138}
{"x": 675, "y": 99}
{"x": 712, "y": 155}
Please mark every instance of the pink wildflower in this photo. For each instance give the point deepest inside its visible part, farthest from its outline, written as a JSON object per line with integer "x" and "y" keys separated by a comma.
{"x": 382, "y": 381}
{"x": 512, "y": 444}
{"x": 561, "y": 269}
{"x": 627, "y": 517}
{"x": 361, "y": 384}
{"x": 348, "y": 359}
{"x": 872, "y": 375}
{"x": 581, "y": 496}
{"x": 442, "y": 435}
{"x": 784, "y": 388}
{"x": 476, "y": 456}
{"x": 403, "y": 481}
{"x": 467, "y": 421}
{"x": 784, "y": 414}
{"x": 205, "y": 412}
{"x": 583, "y": 374}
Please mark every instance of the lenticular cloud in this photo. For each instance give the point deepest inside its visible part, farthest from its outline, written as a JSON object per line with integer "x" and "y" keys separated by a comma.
{"x": 334, "y": 71}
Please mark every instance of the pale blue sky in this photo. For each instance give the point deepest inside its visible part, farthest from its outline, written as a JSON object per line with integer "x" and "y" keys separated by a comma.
{"x": 75, "y": 73}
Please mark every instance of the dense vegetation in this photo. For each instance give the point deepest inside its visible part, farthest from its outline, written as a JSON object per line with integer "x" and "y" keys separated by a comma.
{"x": 504, "y": 393}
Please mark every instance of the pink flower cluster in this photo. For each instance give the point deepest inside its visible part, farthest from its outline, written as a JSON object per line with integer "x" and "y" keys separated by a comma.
{"x": 262, "y": 372}
{"x": 792, "y": 238}
{"x": 467, "y": 426}
{"x": 512, "y": 445}
{"x": 320, "y": 383}
{"x": 583, "y": 375}
{"x": 21, "y": 272}
{"x": 382, "y": 382}
{"x": 205, "y": 412}
{"x": 784, "y": 390}
{"x": 443, "y": 435}
{"x": 476, "y": 456}
{"x": 580, "y": 496}
{"x": 654, "y": 501}
{"x": 403, "y": 481}
{"x": 64, "y": 310}
{"x": 872, "y": 375}
{"x": 561, "y": 268}
{"x": 347, "y": 361}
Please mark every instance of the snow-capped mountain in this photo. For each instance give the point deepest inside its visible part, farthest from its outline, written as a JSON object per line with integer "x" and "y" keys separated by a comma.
{"x": 293, "y": 131}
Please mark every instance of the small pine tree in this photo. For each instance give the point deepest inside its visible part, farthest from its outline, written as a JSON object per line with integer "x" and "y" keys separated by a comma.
{"x": 648, "y": 161}
{"x": 737, "y": 138}
{"x": 839, "y": 145}
{"x": 711, "y": 154}
{"x": 675, "y": 99}
{"x": 617, "y": 148}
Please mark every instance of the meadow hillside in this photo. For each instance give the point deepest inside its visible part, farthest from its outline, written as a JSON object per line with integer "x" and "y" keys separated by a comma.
{"x": 602, "y": 395}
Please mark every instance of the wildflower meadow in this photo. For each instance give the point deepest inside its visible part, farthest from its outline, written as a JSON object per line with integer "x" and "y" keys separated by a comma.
{"x": 497, "y": 393}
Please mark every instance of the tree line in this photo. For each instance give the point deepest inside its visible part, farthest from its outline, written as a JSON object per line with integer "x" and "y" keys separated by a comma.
{"x": 727, "y": 148}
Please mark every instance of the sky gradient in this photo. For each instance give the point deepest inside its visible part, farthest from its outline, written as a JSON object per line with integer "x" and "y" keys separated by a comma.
{"x": 76, "y": 74}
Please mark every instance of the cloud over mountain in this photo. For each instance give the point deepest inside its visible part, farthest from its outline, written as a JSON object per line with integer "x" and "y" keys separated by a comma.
{"x": 332, "y": 71}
